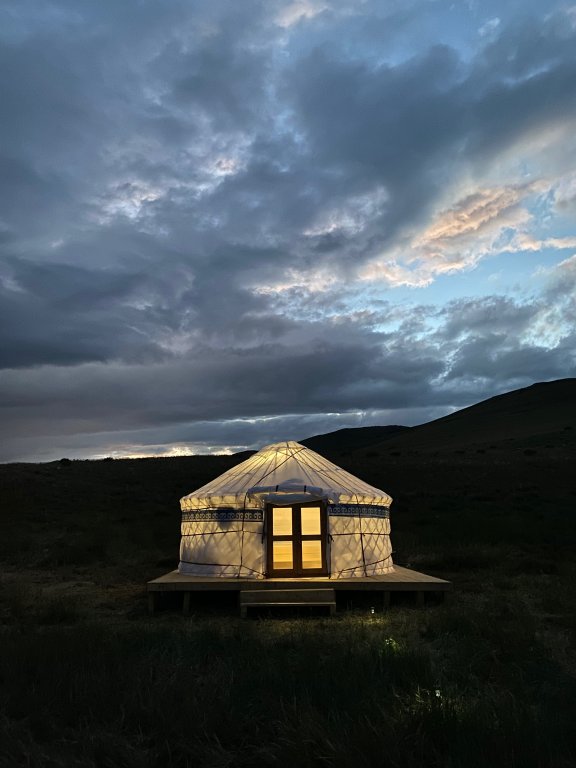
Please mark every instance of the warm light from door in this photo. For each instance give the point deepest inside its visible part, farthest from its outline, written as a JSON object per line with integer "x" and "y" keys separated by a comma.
{"x": 282, "y": 555}
{"x": 311, "y": 554}
{"x": 282, "y": 521}
{"x": 310, "y": 521}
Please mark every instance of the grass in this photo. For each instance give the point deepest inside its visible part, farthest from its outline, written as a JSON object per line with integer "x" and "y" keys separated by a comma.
{"x": 88, "y": 679}
{"x": 359, "y": 691}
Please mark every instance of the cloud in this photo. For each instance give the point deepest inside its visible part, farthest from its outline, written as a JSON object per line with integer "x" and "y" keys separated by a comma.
{"x": 487, "y": 222}
{"x": 205, "y": 209}
{"x": 315, "y": 380}
{"x": 525, "y": 242}
{"x": 473, "y": 215}
{"x": 489, "y": 28}
{"x": 488, "y": 316}
{"x": 293, "y": 13}
{"x": 561, "y": 285}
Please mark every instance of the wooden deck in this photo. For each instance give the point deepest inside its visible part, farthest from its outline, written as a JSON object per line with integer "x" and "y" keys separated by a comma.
{"x": 399, "y": 580}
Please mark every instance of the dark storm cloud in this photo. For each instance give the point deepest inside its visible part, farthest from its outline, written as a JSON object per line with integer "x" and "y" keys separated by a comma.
{"x": 65, "y": 315}
{"x": 90, "y": 315}
{"x": 408, "y": 125}
{"x": 222, "y": 77}
{"x": 495, "y": 356}
{"x": 175, "y": 180}
{"x": 498, "y": 342}
{"x": 178, "y": 399}
{"x": 221, "y": 384}
{"x": 487, "y": 315}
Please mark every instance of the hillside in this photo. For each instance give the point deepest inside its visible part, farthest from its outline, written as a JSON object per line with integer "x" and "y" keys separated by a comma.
{"x": 345, "y": 440}
{"x": 540, "y": 416}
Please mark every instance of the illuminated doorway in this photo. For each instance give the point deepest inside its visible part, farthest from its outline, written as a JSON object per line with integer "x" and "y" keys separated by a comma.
{"x": 296, "y": 541}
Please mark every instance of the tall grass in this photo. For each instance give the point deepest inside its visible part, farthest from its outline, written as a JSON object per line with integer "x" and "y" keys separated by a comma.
{"x": 411, "y": 688}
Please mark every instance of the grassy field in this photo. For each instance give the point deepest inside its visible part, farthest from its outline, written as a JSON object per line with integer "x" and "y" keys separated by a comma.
{"x": 489, "y": 679}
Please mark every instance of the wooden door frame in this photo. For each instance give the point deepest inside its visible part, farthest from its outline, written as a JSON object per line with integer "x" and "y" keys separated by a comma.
{"x": 297, "y": 572}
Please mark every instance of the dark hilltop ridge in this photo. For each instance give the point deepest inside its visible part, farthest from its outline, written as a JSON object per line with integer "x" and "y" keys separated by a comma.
{"x": 351, "y": 439}
{"x": 512, "y": 420}
{"x": 542, "y": 411}
{"x": 343, "y": 441}
{"x": 541, "y": 414}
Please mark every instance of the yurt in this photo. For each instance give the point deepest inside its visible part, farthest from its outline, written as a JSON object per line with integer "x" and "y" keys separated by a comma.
{"x": 286, "y": 512}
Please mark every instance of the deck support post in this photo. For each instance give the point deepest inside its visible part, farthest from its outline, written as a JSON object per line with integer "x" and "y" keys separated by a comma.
{"x": 186, "y": 604}
{"x": 151, "y": 602}
{"x": 420, "y": 598}
{"x": 386, "y": 599}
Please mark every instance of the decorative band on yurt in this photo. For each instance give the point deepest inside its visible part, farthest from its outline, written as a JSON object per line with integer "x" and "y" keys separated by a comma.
{"x": 222, "y": 515}
{"x": 257, "y": 515}
{"x": 358, "y": 510}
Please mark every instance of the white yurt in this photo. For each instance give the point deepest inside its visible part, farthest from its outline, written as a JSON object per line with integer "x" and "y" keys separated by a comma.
{"x": 286, "y": 512}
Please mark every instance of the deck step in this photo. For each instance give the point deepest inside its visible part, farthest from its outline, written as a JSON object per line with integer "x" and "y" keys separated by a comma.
{"x": 288, "y": 598}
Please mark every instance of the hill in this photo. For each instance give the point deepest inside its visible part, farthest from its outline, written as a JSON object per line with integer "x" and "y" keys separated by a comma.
{"x": 540, "y": 416}
{"x": 345, "y": 440}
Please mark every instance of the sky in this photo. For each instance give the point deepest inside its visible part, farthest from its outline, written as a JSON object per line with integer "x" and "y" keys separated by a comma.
{"x": 229, "y": 223}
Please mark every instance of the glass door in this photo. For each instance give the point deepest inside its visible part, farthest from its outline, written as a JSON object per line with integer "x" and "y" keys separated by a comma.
{"x": 297, "y": 540}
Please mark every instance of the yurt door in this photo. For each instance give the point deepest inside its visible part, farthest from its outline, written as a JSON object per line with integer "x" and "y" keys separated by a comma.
{"x": 297, "y": 540}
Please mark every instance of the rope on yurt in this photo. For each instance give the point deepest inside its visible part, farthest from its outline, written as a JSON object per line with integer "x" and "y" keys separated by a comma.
{"x": 353, "y": 568}
{"x": 278, "y": 465}
{"x": 362, "y": 541}
{"x": 216, "y": 533}
{"x": 270, "y": 471}
{"x": 347, "y": 533}
{"x": 242, "y": 539}
{"x": 343, "y": 478}
{"x": 242, "y": 469}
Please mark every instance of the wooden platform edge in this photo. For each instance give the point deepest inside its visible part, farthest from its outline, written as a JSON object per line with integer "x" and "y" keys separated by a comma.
{"x": 175, "y": 582}
{"x": 401, "y": 580}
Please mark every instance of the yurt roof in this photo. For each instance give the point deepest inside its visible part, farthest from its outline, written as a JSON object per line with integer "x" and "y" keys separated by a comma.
{"x": 284, "y": 473}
